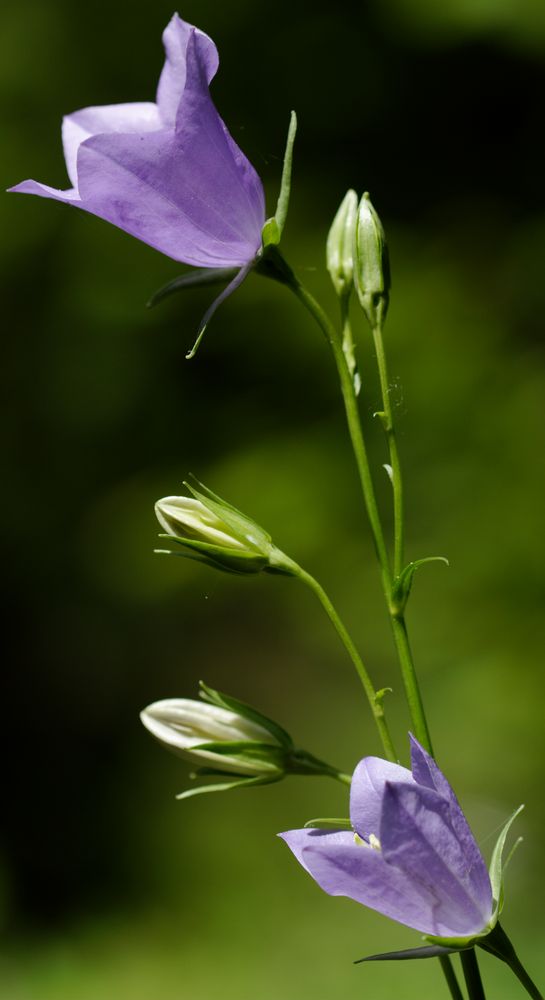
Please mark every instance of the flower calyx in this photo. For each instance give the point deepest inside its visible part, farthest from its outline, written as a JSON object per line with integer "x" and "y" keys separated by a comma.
{"x": 206, "y": 528}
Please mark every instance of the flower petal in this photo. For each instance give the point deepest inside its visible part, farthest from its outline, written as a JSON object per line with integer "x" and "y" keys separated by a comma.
{"x": 183, "y": 191}
{"x": 367, "y": 790}
{"x": 342, "y": 867}
{"x": 223, "y": 170}
{"x": 186, "y": 190}
{"x": 427, "y": 774}
{"x": 71, "y": 197}
{"x": 145, "y": 185}
{"x": 173, "y": 77}
{"x": 138, "y": 117}
{"x": 418, "y": 838}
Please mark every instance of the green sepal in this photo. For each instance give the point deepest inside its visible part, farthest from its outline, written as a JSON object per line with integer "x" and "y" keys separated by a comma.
{"x": 214, "y": 772}
{"x": 457, "y": 943}
{"x": 335, "y": 824}
{"x": 428, "y": 951}
{"x": 285, "y": 185}
{"x": 201, "y": 276}
{"x": 497, "y": 867}
{"x": 402, "y": 584}
{"x": 270, "y": 234}
{"x": 214, "y": 697}
{"x": 217, "y": 556}
{"x": 267, "y": 753}
{"x": 226, "y": 786}
{"x": 241, "y": 524}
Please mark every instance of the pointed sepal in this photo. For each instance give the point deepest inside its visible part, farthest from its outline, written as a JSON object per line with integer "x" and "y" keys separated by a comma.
{"x": 213, "y": 697}
{"x": 498, "y": 866}
{"x": 198, "y": 277}
{"x": 273, "y": 228}
{"x": 328, "y": 824}
{"x": 409, "y": 954}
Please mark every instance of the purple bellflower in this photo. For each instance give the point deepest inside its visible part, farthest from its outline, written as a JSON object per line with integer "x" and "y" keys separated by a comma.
{"x": 412, "y": 856}
{"x": 168, "y": 172}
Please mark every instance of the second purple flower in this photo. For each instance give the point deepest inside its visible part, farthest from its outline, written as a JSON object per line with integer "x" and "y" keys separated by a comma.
{"x": 412, "y": 856}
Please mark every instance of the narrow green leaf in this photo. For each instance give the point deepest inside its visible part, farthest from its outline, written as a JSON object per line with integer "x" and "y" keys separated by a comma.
{"x": 428, "y": 951}
{"x": 497, "y": 867}
{"x": 335, "y": 824}
{"x": 219, "y": 556}
{"x": 285, "y": 187}
{"x": 226, "y": 786}
{"x": 227, "y": 291}
{"x": 197, "y": 277}
{"x": 268, "y": 754}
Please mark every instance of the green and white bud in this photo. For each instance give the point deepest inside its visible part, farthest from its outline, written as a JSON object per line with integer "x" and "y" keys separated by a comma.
{"x": 228, "y": 738}
{"x": 208, "y": 529}
{"x": 340, "y": 245}
{"x": 206, "y": 734}
{"x": 371, "y": 263}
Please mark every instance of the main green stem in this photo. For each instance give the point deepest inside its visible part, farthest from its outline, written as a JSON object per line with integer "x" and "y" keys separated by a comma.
{"x": 401, "y": 639}
{"x": 472, "y": 975}
{"x": 373, "y": 697}
{"x": 410, "y": 680}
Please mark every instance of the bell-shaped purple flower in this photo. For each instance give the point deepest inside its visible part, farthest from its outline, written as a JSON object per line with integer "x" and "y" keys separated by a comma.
{"x": 412, "y": 856}
{"x": 168, "y": 173}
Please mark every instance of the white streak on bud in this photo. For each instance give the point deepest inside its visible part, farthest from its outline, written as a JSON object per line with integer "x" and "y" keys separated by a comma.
{"x": 181, "y": 724}
{"x": 186, "y": 517}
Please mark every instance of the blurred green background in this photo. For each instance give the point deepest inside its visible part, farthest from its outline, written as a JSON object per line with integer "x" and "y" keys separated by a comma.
{"x": 109, "y": 887}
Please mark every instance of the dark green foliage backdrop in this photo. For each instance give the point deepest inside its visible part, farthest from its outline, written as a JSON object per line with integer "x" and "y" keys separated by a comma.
{"x": 110, "y": 888}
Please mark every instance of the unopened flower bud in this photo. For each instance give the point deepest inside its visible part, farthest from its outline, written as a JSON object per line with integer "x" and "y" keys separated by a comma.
{"x": 226, "y": 737}
{"x": 371, "y": 263}
{"x": 206, "y": 734}
{"x": 208, "y": 529}
{"x": 340, "y": 245}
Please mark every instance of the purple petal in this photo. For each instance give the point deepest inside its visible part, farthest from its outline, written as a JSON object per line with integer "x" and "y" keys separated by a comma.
{"x": 427, "y": 774}
{"x": 223, "y": 171}
{"x": 418, "y": 839}
{"x": 173, "y": 77}
{"x": 80, "y": 125}
{"x": 367, "y": 790}
{"x": 70, "y": 197}
{"x": 342, "y": 867}
{"x": 144, "y": 185}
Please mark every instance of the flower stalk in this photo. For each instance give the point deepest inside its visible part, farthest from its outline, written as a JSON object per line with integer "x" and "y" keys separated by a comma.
{"x": 401, "y": 638}
{"x": 375, "y": 698}
{"x": 472, "y": 975}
